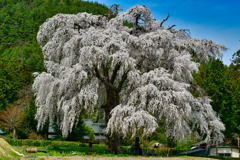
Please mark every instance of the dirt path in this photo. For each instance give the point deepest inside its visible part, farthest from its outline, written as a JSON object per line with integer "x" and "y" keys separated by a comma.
{"x": 113, "y": 158}
{"x": 3, "y": 146}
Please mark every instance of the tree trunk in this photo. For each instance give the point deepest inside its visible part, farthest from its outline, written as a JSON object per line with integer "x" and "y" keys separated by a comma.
{"x": 114, "y": 143}
{"x": 14, "y": 132}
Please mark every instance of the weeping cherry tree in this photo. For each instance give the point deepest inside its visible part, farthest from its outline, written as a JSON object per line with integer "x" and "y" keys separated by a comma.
{"x": 138, "y": 75}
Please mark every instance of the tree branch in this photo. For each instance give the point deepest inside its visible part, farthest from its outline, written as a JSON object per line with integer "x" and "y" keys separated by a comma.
{"x": 139, "y": 62}
{"x": 171, "y": 27}
{"x": 104, "y": 80}
{"x": 124, "y": 77}
{"x": 115, "y": 72}
{"x": 105, "y": 71}
{"x": 164, "y": 20}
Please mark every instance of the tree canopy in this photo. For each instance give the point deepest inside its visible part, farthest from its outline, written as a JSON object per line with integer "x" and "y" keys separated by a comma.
{"x": 139, "y": 75}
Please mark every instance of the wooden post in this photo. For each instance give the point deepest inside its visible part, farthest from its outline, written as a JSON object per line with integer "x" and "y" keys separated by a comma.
{"x": 238, "y": 141}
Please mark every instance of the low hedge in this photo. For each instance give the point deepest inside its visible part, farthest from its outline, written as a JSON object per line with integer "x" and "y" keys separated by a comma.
{"x": 28, "y": 142}
{"x": 39, "y": 143}
{"x": 79, "y": 149}
{"x": 68, "y": 144}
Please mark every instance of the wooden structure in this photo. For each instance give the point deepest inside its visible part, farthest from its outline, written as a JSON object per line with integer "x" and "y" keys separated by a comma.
{"x": 220, "y": 149}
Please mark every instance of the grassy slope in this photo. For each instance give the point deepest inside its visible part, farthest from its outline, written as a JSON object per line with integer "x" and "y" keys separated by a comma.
{"x": 5, "y": 150}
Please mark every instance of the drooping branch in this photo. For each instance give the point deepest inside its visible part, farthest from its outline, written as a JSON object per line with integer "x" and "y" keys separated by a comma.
{"x": 104, "y": 80}
{"x": 164, "y": 20}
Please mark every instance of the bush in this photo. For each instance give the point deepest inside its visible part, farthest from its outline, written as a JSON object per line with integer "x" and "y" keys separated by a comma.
{"x": 34, "y": 135}
{"x": 125, "y": 149}
{"x": 55, "y": 154}
{"x": 39, "y": 154}
{"x": 99, "y": 146}
{"x": 152, "y": 142}
{"x": 175, "y": 151}
{"x": 161, "y": 152}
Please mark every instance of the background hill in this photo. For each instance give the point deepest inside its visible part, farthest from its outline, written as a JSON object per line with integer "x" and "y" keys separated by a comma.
{"x": 20, "y": 54}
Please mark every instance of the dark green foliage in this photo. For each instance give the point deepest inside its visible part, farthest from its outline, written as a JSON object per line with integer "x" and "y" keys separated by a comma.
{"x": 13, "y": 77}
{"x": 222, "y": 85}
{"x": 30, "y": 123}
{"x": 20, "y": 21}
{"x": 236, "y": 61}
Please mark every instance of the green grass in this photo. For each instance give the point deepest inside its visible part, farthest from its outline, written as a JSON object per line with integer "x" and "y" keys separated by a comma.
{"x": 39, "y": 154}
{"x": 185, "y": 156}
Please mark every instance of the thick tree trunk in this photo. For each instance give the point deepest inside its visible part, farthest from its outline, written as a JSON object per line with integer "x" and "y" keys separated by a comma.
{"x": 114, "y": 143}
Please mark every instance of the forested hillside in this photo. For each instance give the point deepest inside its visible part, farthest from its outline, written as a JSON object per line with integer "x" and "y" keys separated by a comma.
{"x": 20, "y": 53}
{"x": 222, "y": 84}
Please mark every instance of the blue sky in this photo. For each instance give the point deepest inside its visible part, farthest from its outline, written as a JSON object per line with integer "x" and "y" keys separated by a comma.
{"x": 218, "y": 20}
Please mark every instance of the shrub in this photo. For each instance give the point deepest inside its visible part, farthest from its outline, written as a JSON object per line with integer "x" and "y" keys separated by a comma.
{"x": 161, "y": 151}
{"x": 125, "y": 149}
{"x": 34, "y": 135}
{"x": 99, "y": 146}
{"x": 95, "y": 155}
{"x": 55, "y": 154}
{"x": 39, "y": 154}
{"x": 152, "y": 142}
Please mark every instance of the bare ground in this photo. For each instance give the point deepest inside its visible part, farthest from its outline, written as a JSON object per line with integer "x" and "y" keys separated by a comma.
{"x": 114, "y": 158}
